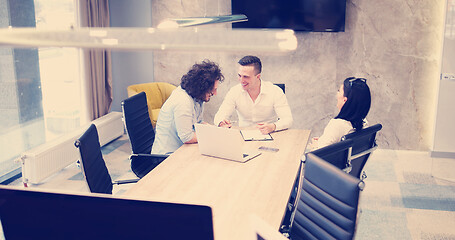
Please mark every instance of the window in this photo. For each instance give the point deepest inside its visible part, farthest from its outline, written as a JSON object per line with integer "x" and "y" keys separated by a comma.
{"x": 40, "y": 88}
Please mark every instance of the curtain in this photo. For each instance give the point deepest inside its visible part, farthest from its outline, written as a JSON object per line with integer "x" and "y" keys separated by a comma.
{"x": 97, "y": 62}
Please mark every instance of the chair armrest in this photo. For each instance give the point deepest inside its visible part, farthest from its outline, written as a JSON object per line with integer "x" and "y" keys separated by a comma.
{"x": 126, "y": 181}
{"x": 157, "y": 158}
{"x": 141, "y": 164}
{"x": 370, "y": 150}
{"x": 145, "y": 155}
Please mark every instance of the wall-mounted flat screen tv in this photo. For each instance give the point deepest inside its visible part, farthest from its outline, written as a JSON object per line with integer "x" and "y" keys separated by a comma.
{"x": 299, "y": 15}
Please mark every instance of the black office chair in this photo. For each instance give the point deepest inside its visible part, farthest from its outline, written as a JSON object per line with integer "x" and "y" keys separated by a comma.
{"x": 328, "y": 202}
{"x": 92, "y": 163}
{"x": 282, "y": 86}
{"x": 364, "y": 143}
{"x": 337, "y": 154}
{"x": 141, "y": 134}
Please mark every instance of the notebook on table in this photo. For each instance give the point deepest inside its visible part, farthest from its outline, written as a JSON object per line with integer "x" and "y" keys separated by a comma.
{"x": 255, "y": 135}
{"x": 222, "y": 142}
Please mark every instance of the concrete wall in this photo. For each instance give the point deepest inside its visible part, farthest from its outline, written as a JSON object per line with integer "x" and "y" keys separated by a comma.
{"x": 130, "y": 67}
{"x": 396, "y": 45}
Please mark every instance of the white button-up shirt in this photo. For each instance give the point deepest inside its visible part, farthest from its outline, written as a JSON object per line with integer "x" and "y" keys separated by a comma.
{"x": 271, "y": 106}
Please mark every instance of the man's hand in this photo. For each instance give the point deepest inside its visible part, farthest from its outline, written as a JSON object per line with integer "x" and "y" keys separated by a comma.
{"x": 266, "y": 128}
{"x": 225, "y": 123}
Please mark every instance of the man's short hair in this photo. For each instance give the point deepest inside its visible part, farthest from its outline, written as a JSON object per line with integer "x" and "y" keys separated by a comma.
{"x": 252, "y": 60}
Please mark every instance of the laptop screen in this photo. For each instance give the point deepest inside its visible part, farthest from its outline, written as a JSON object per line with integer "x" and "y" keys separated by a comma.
{"x": 28, "y": 214}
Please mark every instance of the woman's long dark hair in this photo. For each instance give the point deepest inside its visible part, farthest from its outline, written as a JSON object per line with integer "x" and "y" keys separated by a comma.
{"x": 201, "y": 79}
{"x": 356, "y": 108}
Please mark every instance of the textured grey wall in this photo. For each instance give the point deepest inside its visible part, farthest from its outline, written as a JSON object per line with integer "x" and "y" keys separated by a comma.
{"x": 129, "y": 67}
{"x": 396, "y": 45}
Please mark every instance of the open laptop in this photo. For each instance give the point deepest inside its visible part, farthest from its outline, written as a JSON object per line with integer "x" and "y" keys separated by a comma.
{"x": 222, "y": 142}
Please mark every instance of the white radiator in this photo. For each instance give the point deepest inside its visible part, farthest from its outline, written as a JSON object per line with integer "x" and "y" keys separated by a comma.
{"x": 109, "y": 126}
{"x": 51, "y": 157}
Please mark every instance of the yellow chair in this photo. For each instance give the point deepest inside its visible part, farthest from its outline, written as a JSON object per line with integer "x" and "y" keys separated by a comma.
{"x": 157, "y": 93}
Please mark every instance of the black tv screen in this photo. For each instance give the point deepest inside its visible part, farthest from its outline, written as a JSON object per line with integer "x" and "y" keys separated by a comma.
{"x": 299, "y": 15}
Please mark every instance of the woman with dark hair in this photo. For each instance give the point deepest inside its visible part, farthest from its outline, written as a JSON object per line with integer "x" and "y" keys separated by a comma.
{"x": 353, "y": 101}
{"x": 184, "y": 108}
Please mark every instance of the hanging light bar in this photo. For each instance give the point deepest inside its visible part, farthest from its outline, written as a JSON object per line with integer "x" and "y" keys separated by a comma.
{"x": 195, "y": 21}
{"x": 180, "y": 39}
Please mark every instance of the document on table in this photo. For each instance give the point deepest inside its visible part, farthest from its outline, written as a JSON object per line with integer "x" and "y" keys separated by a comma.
{"x": 255, "y": 135}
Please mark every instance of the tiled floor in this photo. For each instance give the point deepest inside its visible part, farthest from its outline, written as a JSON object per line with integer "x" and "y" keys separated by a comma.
{"x": 408, "y": 194}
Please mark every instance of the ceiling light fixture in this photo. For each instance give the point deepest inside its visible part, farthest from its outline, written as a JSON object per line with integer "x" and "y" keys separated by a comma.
{"x": 180, "y": 39}
{"x": 196, "y": 21}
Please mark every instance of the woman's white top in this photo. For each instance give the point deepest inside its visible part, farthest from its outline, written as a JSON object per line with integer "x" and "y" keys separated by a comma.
{"x": 335, "y": 129}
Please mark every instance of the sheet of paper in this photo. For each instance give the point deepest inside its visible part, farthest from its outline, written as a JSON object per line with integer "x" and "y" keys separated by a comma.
{"x": 255, "y": 135}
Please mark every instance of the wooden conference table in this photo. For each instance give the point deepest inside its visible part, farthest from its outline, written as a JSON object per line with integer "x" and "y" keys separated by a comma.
{"x": 233, "y": 190}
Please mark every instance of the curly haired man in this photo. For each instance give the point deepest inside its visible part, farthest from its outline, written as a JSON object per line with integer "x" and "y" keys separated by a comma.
{"x": 184, "y": 108}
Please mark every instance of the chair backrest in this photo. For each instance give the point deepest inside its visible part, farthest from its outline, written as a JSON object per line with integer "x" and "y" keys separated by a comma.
{"x": 93, "y": 166}
{"x": 337, "y": 154}
{"x": 137, "y": 123}
{"x": 282, "y": 86}
{"x": 157, "y": 93}
{"x": 328, "y": 202}
{"x": 364, "y": 142}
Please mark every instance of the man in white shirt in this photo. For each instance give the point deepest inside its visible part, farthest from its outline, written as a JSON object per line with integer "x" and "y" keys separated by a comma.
{"x": 256, "y": 102}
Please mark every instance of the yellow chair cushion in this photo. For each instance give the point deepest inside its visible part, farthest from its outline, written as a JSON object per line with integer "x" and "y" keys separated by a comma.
{"x": 156, "y": 92}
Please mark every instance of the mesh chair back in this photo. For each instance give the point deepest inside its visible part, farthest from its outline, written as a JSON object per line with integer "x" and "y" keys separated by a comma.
{"x": 337, "y": 154}
{"x": 364, "y": 142}
{"x": 92, "y": 162}
{"x": 137, "y": 123}
{"x": 327, "y": 207}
